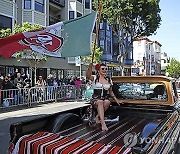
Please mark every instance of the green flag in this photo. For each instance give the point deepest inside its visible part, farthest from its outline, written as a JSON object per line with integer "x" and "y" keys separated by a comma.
{"x": 77, "y": 36}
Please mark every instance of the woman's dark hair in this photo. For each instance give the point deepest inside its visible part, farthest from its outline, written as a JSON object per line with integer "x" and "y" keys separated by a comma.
{"x": 97, "y": 66}
{"x": 97, "y": 74}
{"x": 102, "y": 64}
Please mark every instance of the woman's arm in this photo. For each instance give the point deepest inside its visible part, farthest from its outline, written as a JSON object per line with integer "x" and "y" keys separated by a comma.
{"x": 89, "y": 72}
{"x": 114, "y": 97}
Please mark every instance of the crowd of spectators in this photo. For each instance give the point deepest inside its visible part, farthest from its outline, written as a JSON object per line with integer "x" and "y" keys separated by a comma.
{"x": 19, "y": 81}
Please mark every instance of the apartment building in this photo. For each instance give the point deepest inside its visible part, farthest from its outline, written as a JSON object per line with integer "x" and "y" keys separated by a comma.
{"x": 165, "y": 61}
{"x": 43, "y": 12}
{"x": 108, "y": 42}
{"x": 47, "y": 12}
{"x": 147, "y": 57}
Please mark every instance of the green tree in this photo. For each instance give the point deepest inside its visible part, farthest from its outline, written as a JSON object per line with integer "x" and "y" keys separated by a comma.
{"x": 97, "y": 55}
{"x": 130, "y": 19}
{"x": 173, "y": 68}
{"x": 31, "y": 57}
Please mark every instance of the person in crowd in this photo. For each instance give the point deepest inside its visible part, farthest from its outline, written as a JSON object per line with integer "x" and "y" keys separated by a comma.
{"x": 27, "y": 82}
{"x": 19, "y": 84}
{"x": 78, "y": 84}
{"x": 50, "y": 85}
{"x": 6, "y": 85}
{"x": 41, "y": 82}
{"x": 24, "y": 76}
{"x": 102, "y": 86}
{"x": 55, "y": 83}
{"x": 65, "y": 81}
{"x": 72, "y": 80}
{"x": 83, "y": 80}
{"x": 88, "y": 84}
{"x": 83, "y": 87}
{"x": 49, "y": 80}
{"x": 1, "y": 79}
{"x": 18, "y": 81}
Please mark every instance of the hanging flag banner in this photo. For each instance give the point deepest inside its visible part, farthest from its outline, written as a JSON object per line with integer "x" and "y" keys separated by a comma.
{"x": 64, "y": 39}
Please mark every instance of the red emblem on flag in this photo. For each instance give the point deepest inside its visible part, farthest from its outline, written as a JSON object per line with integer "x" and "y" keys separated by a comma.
{"x": 48, "y": 41}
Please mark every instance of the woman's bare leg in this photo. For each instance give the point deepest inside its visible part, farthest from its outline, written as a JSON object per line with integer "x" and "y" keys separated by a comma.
{"x": 100, "y": 109}
{"x": 106, "y": 106}
{"x": 97, "y": 118}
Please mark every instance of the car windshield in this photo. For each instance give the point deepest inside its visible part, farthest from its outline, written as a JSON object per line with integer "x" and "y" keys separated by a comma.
{"x": 140, "y": 91}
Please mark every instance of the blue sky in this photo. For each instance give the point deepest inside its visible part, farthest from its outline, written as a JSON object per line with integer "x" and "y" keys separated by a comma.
{"x": 169, "y": 32}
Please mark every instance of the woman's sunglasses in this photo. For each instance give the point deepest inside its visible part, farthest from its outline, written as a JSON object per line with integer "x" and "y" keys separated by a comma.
{"x": 104, "y": 68}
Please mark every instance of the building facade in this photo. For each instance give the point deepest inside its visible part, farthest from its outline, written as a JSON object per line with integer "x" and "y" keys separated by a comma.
{"x": 43, "y": 12}
{"x": 48, "y": 12}
{"x": 147, "y": 57}
{"x": 165, "y": 61}
{"x": 109, "y": 44}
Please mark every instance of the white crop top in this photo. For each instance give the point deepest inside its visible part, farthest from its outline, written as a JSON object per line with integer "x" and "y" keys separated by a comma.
{"x": 99, "y": 85}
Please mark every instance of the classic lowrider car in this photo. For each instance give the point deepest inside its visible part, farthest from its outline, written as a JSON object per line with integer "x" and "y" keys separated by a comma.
{"x": 147, "y": 122}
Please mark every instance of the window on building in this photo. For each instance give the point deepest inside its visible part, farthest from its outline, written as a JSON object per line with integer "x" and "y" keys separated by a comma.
{"x": 149, "y": 47}
{"x": 2, "y": 70}
{"x": 107, "y": 26}
{"x": 108, "y": 46}
{"x": 79, "y": 14}
{"x": 101, "y": 34}
{"x": 116, "y": 48}
{"x": 101, "y": 26}
{"x": 53, "y": 20}
{"x": 27, "y": 4}
{"x": 71, "y": 15}
{"x": 153, "y": 58}
{"x": 39, "y": 5}
{"x": 58, "y": 2}
{"x": 87, "y": 4}
{"x": 79, "y": 1}
{"x": 101, "y": 43}
{"x": 108, "y": 33}
{"x": 71, "y": 72}
{"x": 10, "y": 70}
{"x": 5, "y": 22}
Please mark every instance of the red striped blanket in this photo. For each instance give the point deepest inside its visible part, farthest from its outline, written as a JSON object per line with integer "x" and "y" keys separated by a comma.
{"x": 50, "y": 143}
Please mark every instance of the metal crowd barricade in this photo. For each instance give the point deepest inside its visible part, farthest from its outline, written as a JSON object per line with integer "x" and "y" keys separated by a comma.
{"x": 42, "y": 94}
{"x": 70, "y": 92}
{"x": 13, "y": 97}
{"x": 29, "y": 96}
{"x": 66, "y": 92}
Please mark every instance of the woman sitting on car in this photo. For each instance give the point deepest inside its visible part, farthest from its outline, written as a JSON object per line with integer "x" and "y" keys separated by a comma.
{"x": 102, "y": 86}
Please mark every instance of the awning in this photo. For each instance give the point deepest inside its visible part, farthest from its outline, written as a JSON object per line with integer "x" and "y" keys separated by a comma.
{"x": 113, "y": 65}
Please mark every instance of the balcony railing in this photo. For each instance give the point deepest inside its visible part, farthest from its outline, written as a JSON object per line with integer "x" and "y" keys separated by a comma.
{"x": 58, "y": 2}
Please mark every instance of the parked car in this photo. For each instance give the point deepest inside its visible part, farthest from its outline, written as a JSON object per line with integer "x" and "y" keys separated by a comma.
{"x": 147, "y": 122}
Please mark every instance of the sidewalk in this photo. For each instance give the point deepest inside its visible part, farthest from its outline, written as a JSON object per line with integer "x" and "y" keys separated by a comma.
{"x": 39, "y": 109}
